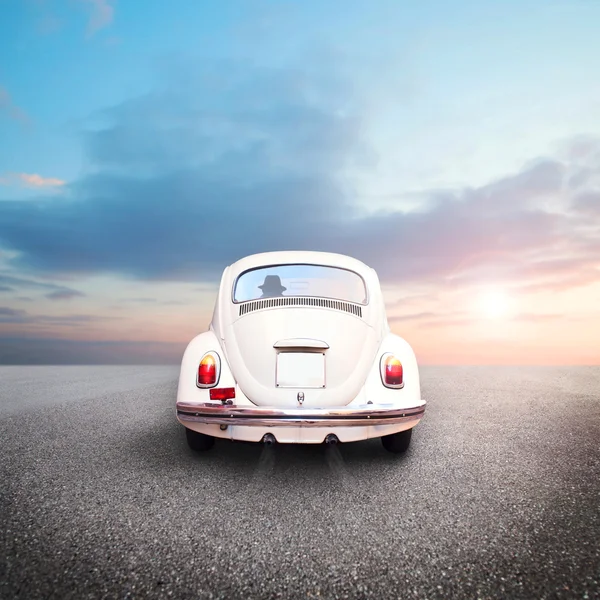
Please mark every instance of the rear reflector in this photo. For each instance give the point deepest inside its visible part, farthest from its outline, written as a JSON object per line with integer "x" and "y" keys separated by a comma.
{"x": 222, "y": 393}
{"x": 392, "y": 372}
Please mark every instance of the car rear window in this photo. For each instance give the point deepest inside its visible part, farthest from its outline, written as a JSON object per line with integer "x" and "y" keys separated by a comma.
{"x": 300, "y": 280}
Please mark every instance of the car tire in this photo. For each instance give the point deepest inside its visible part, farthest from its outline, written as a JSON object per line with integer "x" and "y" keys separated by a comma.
{"x": 397, "y": 442}
{"x": 199, "y": 441}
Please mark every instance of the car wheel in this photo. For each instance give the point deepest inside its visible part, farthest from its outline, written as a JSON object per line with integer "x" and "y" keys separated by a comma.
{"x": 199, "y": 441}
{"x": 397, "y": 442}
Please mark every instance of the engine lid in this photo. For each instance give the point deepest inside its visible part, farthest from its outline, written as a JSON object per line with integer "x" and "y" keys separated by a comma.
{"x": 341, "y": 345}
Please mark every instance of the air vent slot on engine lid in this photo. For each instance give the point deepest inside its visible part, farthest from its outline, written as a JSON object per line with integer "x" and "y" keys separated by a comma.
{"x": 253, "y": 305}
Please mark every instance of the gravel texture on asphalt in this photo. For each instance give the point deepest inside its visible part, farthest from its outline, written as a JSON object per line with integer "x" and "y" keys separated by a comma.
{"x": 497, "y": 497}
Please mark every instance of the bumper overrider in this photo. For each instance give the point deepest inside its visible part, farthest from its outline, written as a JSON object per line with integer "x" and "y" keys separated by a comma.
{"x": 228, "y": 414}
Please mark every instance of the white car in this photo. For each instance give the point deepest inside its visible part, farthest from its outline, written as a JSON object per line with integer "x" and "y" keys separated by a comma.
{"x": 299, "y": 350}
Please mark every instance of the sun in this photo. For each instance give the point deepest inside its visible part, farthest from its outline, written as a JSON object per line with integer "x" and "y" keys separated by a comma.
{"x": 494, "y": 303}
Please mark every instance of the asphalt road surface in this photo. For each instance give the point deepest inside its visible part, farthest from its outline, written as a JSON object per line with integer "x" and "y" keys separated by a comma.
{"x": 498, "y": 496}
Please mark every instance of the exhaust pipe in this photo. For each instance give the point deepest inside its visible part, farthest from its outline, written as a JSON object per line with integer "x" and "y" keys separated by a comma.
{"x": 331, "y": 439}
{"x": 269, "y": 439}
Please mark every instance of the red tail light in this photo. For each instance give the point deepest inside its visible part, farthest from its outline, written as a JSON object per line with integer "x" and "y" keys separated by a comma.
{"x": 222, "y": 393}
{"x": 208, "y": 370}
{"x": 392, "y": 372}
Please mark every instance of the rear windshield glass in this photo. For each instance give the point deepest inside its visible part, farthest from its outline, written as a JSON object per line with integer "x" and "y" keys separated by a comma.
{"x": 300, "y": 280}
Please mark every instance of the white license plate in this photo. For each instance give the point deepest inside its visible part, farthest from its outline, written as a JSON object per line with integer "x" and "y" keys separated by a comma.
{"x": 300, "y": 370}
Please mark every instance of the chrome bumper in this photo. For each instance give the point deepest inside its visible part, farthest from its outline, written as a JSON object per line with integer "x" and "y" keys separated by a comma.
{"x": 222, "y": 414}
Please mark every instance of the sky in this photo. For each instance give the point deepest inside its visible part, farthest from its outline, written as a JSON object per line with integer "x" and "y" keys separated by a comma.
{"x": 454, "y": 146}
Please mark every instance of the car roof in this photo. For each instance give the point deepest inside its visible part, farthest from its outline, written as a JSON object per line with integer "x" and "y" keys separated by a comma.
{"x": 329, "y": 259}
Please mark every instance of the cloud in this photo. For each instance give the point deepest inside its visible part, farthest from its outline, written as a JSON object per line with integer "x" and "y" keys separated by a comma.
{"x": 64, "y": 295}
{"x": 430, "y": 320}
{"x": 233, "y": 161}
{"x": 192, "y": 178}
{"x": 588, "y": 203}
{"x": 412, "y": 317}
{"x": 412, "y": 299}
{"x": 10, "y": 312}
{"x": 10, "y": 109}
{"x": 143, "y": 300}
{"x": 52, "y": 288}
{"x": 5, "y": 288}
{"x": 56, "y": 351}
{"x": 11, "y": 315}
{"x": 537, "y": 317}
{"x": 102, "y": 15}
{"x": 34, "y": 180}
{"x": 31, "y": 180}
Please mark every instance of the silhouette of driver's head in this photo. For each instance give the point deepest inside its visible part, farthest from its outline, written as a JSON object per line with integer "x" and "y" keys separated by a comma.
{"x": 272, "y": 287}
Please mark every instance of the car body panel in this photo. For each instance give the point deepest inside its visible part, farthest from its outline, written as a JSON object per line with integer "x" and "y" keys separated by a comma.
{"x": 248, "y": 344}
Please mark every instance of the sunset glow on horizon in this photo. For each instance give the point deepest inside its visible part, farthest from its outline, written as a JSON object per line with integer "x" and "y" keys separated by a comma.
{"x": 454, "y": 148}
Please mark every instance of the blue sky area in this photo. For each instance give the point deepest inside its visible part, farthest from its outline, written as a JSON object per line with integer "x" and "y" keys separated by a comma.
{"x": 454, "y": 146}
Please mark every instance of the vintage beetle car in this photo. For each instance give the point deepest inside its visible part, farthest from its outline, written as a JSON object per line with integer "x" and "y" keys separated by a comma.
{"x": 299, "y": 350}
